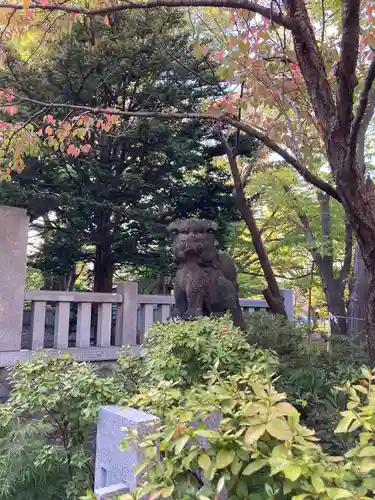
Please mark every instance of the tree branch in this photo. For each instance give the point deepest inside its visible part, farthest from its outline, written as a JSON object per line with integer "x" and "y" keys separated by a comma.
{"x": 224, "y": 118}
{"x": 361, "y": 110}
{"x": 299, "y": 167}
{"x": 272, "y": 292}
{"x": 269, "y": 13}
{"x": 361, "y": 139}
{"x": 347, "y": 65}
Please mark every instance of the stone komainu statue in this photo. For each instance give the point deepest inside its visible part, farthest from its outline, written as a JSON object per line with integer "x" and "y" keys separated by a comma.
{"x": 206, "y": 279}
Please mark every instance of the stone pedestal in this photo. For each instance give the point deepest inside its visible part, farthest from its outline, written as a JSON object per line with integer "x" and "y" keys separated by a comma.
{"x": 14, "y": 228}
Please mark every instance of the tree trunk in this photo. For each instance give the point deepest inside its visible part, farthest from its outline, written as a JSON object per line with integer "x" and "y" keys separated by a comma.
{"x": 358, "y": 295}
{"x": 334, "y": 294}
{"x": 103, "y": 265}
{"x": 103, "y": 270}
{"x": 272, "y": 292}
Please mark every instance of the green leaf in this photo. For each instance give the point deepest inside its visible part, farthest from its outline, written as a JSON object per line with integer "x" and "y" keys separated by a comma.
{"x": 369, "y": 483}
{"x": 242, "y": 490}
{"x": 337, "y": 493}
{"x": 279, "y": 429}
{"x": 292, "y": 472}
{"x": 141, "y": 466}
{"x": 207, "y": 434}
{"x": 254, "y": 433}
{"x": 224, "y": 458}
{"x": 204, "y": 462}
{"x": 254, "y": 466}
{"x": 180, "y": 443}
{"x": 344, "y": 425}
{"x": 368, "y": 451}
{"x": 317, "y": 483}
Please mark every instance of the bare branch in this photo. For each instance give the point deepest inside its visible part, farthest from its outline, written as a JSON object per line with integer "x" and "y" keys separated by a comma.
{"x": 361, "y": 110}
{"x": 269, "y": 13}
{"x": 224, "y": 118}
{"x": 301, "y": 169}
{"x": 347, "y": 65}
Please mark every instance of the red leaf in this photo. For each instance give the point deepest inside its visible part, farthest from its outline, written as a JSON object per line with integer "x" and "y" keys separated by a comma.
{"x": 10, "y": 95}
{"x": 43, "y": 3}
{"x": 49, "y": 119}
{"x": 40, "y": 132}
{"x": 73, "y": 150}
{"x": 106, "y": 20}
{"x": 219, "y": 55}
{"x": 10, "y": 110}
{"x": 74, "y": 14}
{"x": 29, "y": 13}
{"x": 86, "y": 148}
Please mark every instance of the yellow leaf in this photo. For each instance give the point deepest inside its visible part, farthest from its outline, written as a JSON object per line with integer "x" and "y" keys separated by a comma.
{"x": 279, "y": 429}
{"x": 254, "y": 433}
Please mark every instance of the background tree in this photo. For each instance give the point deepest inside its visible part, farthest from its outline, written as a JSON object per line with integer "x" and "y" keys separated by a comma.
{"x": 111, "y": 206}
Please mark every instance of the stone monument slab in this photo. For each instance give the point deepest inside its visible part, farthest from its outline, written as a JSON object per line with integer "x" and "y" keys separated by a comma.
{"x": 14, "y": 229}
{"x": 114, "y": 465}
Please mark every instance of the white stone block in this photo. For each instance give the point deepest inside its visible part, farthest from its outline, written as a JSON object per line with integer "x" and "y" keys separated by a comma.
{"x": 115, "y": 465}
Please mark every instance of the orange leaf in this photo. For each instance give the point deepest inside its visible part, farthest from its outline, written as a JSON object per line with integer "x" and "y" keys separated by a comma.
{"x": 26, "y": 4}
{"x": 106, "y": 20}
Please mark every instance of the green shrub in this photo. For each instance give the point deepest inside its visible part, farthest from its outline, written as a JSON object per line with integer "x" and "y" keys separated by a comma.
{"x": 309, "y": 376}
{"x": 24, "y": 472}
{"x": 259, "y": 450}
{"x": 274, "y": 332}
{"x": 130, "y": 373}
{"x": 186, "y": 351}
{"x": 65, "y": 396}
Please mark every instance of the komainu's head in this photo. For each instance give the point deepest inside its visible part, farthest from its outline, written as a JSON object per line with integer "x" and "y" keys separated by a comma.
{"x": 194, "y": 239}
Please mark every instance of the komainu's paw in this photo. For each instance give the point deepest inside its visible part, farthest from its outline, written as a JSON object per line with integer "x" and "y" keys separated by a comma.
{"x": 192, "y": 314}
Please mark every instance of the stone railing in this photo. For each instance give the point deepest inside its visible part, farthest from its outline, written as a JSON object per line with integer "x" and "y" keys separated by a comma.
{"x": 94, "y": 326}
{"x": 90, "y": 326}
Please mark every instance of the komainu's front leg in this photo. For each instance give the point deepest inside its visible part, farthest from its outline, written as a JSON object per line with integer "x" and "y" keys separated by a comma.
{"x": 180, "y": 303}
{"x": 194, "y": 303}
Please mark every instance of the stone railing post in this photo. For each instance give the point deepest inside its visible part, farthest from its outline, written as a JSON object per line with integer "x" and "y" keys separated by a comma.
{"x": 14, "y": 230}
{"x": 126, "y": 314}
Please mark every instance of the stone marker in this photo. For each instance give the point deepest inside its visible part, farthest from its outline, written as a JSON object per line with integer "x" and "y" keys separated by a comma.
{"x": 114, "y": 468}
{"x": 14, "y": 229}
{"x": 114, "y": 465}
